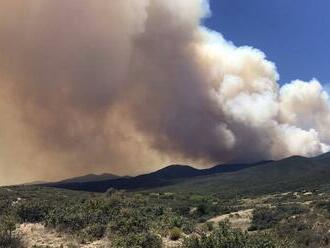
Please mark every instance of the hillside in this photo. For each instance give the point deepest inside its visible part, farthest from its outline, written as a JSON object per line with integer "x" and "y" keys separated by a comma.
{"x": 289, "y": 200}
{"x": 292, "y": 173}
{"x": 169, "y": 175}
{"x": 90, "y": 178}
{"x": 267, "y": 176}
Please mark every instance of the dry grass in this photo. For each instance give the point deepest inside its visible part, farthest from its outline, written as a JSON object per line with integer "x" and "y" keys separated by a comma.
{"x": 240, "y": 220}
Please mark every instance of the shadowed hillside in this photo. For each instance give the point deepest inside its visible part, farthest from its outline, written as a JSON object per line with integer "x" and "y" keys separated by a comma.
{"x": 262, "y": 177}
{"x": 90, "y": 178}
{"x": 170, "y": 175}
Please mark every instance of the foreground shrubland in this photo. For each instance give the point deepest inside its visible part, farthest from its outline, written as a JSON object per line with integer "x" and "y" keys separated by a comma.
{"x": 152, "y": 220}
{"x": 225, "y": 237}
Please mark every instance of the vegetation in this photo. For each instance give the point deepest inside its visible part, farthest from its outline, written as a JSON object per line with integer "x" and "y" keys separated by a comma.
{"x": 8, "y": 239}
{"x": 225, "y": 237}
{"x": 175, "y": 233}
{"x": 149, "y": 219}
{"x": 268, "y": 217}
{"x": 289, "y": 174}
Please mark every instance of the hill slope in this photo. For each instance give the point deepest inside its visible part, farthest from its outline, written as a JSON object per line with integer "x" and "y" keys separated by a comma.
{"x": 292, "y": 173}
{"x": 90, "y": 178}
{"x": 166, "y": 176}
{"x": 263, "y": 177}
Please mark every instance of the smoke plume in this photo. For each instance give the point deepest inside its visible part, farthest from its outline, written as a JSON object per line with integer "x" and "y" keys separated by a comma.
{"x": 128, "y": 85}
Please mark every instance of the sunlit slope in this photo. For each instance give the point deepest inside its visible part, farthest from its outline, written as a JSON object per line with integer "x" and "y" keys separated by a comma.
{"x": 288, "y": 174}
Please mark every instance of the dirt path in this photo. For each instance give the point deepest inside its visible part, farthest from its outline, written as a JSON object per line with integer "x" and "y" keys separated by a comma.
{"x": 240, "y": 219}
{"x": 38, "y": 235}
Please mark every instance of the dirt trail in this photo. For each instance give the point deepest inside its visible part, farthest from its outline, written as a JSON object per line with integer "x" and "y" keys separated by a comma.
{"x": 240, "y": 219}
{"x": 38, "y": 235}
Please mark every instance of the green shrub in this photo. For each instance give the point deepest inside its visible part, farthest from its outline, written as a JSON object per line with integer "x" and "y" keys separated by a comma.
{"x": 182, "y": 210}
{"x": 263, "y": 218}
{"x": 202, "y": 209}
{"x": 287, "y": 210}
{"x": 188, "y": 226}
{"x": 7, "y": 241}
{"x": 31, "y": 211}
{"x": 129, "y": 221}
{"x": 131, "y": 228}
{"x": 4, "y": 206}
{"x": 93, "y": 232}
{"x": 141, "y": 240}
{"x": 175, "y": 233}
{"x": 7, "y": 224}
{"x": 225, "y": 237}
{"x": 209, "y": 226}
{"x": 305, "y": 232}
{"x": 324, "y": 205}
{"x": 7, "y": 237}
{"x": 220, "y": 238}
{"x": 194, "y": 242}
{"x": 77, "y": 216}
{"x": 110, "y": 192}
{"x": 266, "y": 240}
{"x": 157, "y": 211}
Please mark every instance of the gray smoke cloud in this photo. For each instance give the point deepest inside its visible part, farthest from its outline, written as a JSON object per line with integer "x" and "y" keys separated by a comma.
{"x": 129, "y": 85}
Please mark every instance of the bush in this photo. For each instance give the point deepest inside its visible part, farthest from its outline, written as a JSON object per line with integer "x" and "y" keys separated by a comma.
{"x": 263, "y": 218}
{"x": 7, "y": 237}
{"x": 225, "y": 237}
{"x": 142, "y": 240}
{"x": 305, "y": 232}
{"x": 110, "y": 192}
{"x": 202, "y": 209}
{"x": 182, "y": 210}
{"x": 76, "y": 216}
{"x": 93, "y": 232}
{"x": 7, "y": 224}
{"x": 4, "y": 206}
{"x": 188, "y": 226}
{"x": 131, "y": 229}
{"x": 324, "y": 205}
{"x": 7, "y": 241}
{"x": 268, "y": 241}
{"x": 129, "y": 221}
{"x": 31, "y": 211}
{"x": 175, "y": 233}
{"x": 157, "y": 210}
{"x": 209, "y": 226}
{"x": 222, "y": 237}
{"x": 291, "y": 209}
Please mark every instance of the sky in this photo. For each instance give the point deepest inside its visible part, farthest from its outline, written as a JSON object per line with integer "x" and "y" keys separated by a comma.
{"x": 128, "y": 87}
{"x": 294, "y": 34}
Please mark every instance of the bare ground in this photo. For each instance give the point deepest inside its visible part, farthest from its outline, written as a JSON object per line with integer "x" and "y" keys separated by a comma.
{"x": 240, "y": 220}
{"x": 40, "y": 236}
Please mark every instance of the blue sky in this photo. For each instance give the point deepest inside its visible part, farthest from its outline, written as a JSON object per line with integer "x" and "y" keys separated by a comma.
{"x": 295, "y": 34}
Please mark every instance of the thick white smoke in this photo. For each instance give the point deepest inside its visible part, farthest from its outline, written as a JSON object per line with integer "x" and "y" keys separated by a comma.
{"x": 127, "y": 85}
{"x": 280, "y": 121}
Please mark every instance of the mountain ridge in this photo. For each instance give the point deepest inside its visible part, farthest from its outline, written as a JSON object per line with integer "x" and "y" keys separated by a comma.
{"x": 162, "y": 177}
{"x": 289, "y": 172}
{"x": 90, "y": 177}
